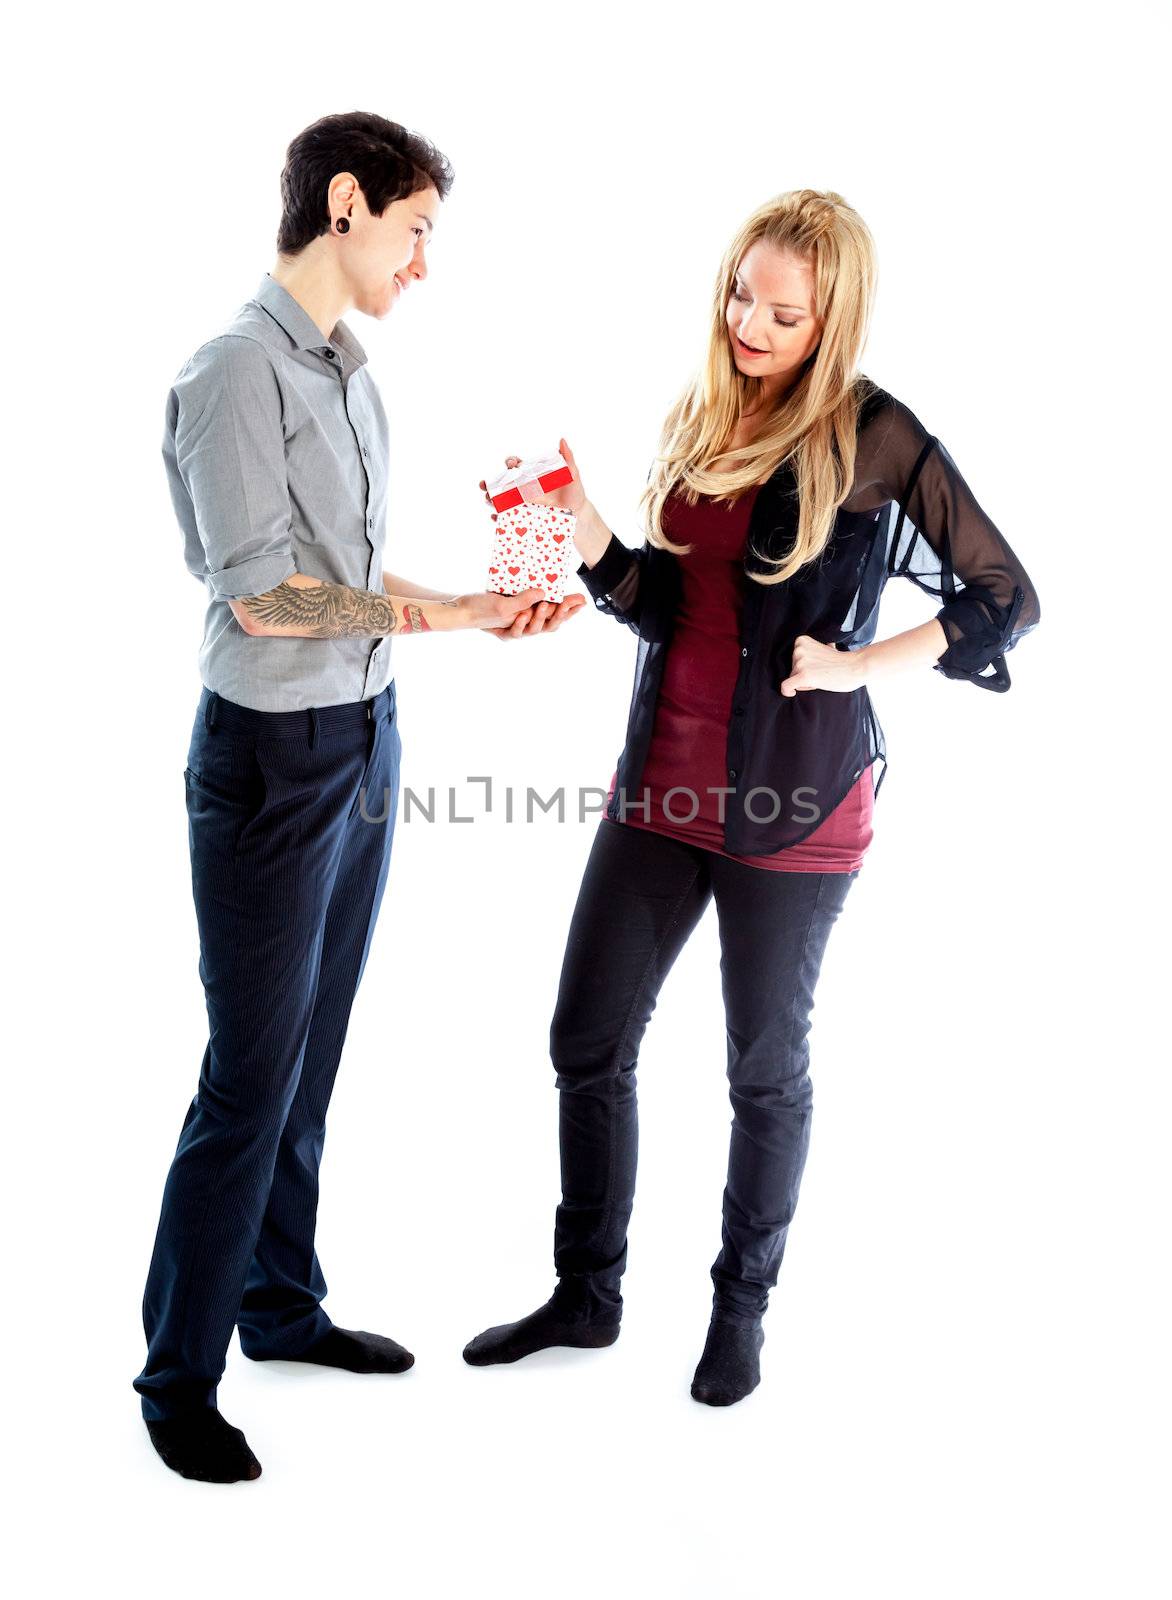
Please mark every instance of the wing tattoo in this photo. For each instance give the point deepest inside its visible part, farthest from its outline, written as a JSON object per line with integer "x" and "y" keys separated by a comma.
{"x": 327, "y": 611}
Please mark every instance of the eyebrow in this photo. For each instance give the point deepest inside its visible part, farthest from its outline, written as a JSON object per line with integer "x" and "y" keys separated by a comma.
{"x": 774, "y": 305}
{"x": 423, "y": 217}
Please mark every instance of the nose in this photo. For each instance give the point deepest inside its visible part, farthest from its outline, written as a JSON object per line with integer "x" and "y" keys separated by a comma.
{"x": 748, "y": 333}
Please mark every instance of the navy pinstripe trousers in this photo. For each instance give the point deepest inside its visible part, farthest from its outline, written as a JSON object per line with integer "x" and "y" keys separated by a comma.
{"x": 290, "y": 821}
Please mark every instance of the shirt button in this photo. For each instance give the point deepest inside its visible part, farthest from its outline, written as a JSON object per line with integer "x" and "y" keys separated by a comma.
{"x": 744, "y": 650}
{"x": 732, "y": 772}
{"x": 738, "y": 711}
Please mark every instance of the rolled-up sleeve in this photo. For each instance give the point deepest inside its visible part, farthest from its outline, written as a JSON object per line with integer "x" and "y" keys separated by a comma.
{"x": 950, "y": 548}
{"x": 225, "y": 452}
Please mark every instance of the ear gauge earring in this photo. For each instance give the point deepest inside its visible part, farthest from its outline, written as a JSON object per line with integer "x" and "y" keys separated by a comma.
{"x": 342, "y": 225}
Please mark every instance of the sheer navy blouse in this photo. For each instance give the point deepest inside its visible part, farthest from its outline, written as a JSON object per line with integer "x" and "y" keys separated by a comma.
{"x": 909, "y": 514}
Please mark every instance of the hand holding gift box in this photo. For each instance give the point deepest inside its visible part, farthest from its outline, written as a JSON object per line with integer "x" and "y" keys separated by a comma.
{"x": 533, "y": 539}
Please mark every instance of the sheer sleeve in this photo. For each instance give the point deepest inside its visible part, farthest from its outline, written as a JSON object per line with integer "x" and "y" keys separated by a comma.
{"x": 946, "y": 545}
{"x": 614, "y": 581}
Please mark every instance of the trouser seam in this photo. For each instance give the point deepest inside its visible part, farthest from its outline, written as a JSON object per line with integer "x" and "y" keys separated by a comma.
{"x": 801, "y": 968}
{"x": 612, "y": 1079}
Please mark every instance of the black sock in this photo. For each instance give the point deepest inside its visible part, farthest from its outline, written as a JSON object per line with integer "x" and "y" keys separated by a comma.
{"x": 354, "y": 1349}
{"x": 203, "y": 1445}
{"x": 730, "y": 1368}
{"x": 571, "y": 1316}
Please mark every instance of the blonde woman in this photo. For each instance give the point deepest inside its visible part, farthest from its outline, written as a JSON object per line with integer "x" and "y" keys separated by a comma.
{"x": 787, "y": 489}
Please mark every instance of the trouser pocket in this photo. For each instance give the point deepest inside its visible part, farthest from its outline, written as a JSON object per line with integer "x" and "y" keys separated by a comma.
{"x": 224, "y": 784}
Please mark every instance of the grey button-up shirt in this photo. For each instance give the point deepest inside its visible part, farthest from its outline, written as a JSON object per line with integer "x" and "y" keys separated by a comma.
{"x": 276, "y": 452}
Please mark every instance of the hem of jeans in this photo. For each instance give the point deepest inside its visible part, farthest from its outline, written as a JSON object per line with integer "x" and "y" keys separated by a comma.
{"x": 739, "y": 1319}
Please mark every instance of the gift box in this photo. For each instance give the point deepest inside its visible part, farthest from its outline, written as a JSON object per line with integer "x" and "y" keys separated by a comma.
{"x": 533, "y": 544}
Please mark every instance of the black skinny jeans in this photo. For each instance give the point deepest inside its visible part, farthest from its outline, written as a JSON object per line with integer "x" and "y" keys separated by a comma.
{"x": 641, "y": 896}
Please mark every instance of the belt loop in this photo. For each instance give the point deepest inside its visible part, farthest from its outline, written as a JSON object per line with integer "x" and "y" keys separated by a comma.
{"x": 312, "y": 726}
{"x": 209, "y": 711}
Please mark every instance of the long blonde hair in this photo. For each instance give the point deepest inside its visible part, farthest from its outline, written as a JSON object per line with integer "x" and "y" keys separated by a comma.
{"x": 815, "y": 423}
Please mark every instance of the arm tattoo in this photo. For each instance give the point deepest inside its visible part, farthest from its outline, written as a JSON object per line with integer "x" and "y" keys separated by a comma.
{"x": 326, "y": 611}
{"x": 414, "y": 619}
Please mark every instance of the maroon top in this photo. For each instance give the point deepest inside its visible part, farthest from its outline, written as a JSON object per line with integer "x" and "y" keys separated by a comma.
{"x": 688, "y": 742}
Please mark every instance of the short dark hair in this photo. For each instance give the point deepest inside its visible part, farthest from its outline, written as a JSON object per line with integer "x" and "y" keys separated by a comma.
{"x": 389, "y": 161}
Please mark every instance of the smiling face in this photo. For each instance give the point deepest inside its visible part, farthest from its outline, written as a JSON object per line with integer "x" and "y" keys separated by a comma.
{"x": 383, "y": 256}
{"x": 771, "y": 322}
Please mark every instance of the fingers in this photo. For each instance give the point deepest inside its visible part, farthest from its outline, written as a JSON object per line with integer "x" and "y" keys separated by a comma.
{"x": 540, "y": 613}
{"x": 521, "y": 622}
{"x": 510, "y": 461}
{"x": 518, "y": 608}
{"x": 545, "y": 616}
{"x": 572, "y": 603}
{"x": 548, "y": 616}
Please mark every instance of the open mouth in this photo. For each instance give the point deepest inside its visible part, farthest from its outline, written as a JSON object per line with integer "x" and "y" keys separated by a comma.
{"x": 747, "y": 349}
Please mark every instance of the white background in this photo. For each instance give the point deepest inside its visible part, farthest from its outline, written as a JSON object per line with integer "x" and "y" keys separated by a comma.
{"x": 960, "y": 1389}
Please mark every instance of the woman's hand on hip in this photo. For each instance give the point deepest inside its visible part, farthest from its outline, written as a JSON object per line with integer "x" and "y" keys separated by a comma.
{"x": 822, "y": 666}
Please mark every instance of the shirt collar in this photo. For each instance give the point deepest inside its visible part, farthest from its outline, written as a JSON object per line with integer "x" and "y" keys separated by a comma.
{"x": 300, "y": 326}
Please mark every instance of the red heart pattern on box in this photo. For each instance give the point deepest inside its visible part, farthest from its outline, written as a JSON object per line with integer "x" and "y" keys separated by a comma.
{"x": 532, "y": 548}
